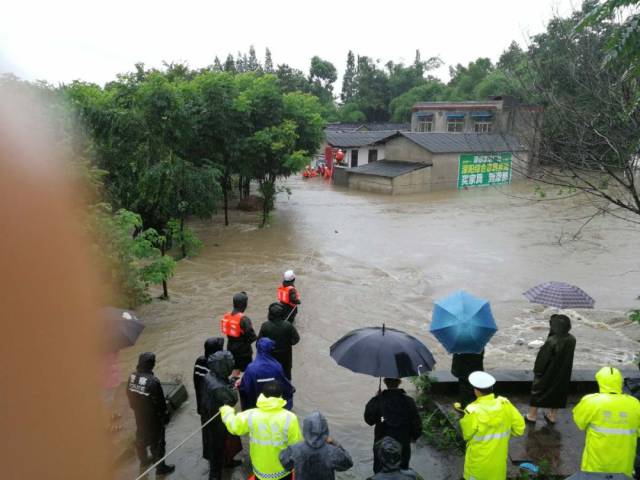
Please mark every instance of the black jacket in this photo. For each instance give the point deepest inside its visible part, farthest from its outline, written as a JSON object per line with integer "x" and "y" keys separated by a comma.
{"x": 553, "y": 366}
{"x": 200, "y": 369}
{"x": 147, "y": 400}
{"x": 284, "y": 334}
{"x": 216, "y": 391}
{"x": 464, "y": 364}
{"x": 394, "y": 414}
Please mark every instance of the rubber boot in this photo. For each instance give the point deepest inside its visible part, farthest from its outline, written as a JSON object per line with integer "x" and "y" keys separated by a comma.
{"x": 164, "y": 469}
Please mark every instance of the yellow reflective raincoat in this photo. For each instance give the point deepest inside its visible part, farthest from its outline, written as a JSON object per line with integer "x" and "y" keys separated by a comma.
{"x": 612, "y": 422}
{"x": 271, "y": 429}
{"x": 487, "y": 425}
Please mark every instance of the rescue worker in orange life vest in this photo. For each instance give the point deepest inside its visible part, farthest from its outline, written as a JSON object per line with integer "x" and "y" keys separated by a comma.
{"x": 240, "y": 334}
{"x": 288, "y": 296}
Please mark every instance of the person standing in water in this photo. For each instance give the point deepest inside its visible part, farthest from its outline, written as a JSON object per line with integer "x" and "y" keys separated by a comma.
{"x": 289, "y": 296}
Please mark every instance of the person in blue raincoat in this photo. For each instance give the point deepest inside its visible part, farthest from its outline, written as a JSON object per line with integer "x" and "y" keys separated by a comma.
{"x": 263, "y": 369}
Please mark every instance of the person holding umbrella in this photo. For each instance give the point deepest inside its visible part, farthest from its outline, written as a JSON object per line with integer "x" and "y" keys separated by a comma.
{"x": 463, "y": 365}
{"x": 395, "y": 415}
{"x": 487, "y": 425}
{"x": 552, "y": 370}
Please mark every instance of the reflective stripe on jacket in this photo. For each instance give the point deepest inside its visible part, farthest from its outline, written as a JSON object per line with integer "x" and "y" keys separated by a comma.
{"x": 487, "y": 426}
{"x": 284, "y": 295}
{"x": 271, "y": 429}
{"x": 230, "y": 324}
{"x": 612, "y": 423}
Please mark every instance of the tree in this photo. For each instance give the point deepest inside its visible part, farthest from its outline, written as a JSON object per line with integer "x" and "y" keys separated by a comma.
{"x": 322, "y": 75}
{"x": 268, "y": 61}
{"x": 465, "y": 79}
{"x": 291, "y": 79}
{"x": 431, "y": 90}
{"x": 348, "y": 80}
{"x": 590, "y": 137}
{"x": 217, "y": 66}
{"x": 230, "y": 64}
{"x": 623, "y": 40}
{"x": 252, "y": 63}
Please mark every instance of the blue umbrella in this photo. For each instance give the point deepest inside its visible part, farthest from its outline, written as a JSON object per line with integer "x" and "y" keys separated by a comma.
{"x": 462, "y": 323}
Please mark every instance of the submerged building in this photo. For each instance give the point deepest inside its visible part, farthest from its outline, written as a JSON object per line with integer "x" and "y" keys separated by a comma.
{"x": 450, "y": 145}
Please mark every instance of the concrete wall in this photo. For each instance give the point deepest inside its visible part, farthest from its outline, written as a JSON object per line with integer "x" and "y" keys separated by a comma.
{"x": 363, "y": 154}
{"x": 417, "y": 181}
{"x": 401, "y": 148}
{"x": 370, "y": 183}
{"x": 341, "y": 177}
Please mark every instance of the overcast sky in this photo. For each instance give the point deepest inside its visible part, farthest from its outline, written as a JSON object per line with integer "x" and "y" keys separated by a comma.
{"x": 63, "y": 40}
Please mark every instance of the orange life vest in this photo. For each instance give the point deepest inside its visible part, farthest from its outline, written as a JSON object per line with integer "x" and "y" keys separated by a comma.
{"x": 284, "y": 295}
{"x": 230, "y": 324}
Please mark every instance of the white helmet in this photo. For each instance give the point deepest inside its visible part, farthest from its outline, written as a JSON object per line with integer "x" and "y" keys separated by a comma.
{"x": 289, "y": 276}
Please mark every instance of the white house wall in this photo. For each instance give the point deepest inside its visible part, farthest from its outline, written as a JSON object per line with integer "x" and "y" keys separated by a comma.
{"x": 363, "y": 154}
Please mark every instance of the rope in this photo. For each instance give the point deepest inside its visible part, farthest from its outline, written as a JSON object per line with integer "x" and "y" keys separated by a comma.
{"x": 176, "y": 447}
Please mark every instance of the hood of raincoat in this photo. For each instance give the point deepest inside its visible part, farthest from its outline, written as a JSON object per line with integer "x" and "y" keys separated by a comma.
{"x": 240, "y": 301}
{"x": 559, "y": 325}
{"x": 146, "y": 362}
{"x": 213, "y": 345}
{"x": 315, "y": 429}
{"x": 609, "y": 380}
{"x": 276, "y": 312}
{"x": 270, "y": 403}
{"x": 390, "y": 454}
{"x": 264, "y": 346}
{"x": 221, "y": 364}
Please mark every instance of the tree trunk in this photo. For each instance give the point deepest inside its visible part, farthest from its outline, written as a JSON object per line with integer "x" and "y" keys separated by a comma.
{"x": 225, "y": 196}
{"x": 182, "y": 243}
{"x": 241, "y": 187}
{"x": 165, "y": 288}
{"x": 247, "y": 187}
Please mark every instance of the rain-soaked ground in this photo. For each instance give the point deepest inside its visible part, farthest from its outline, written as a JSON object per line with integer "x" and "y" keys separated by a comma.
{"x": 364, "y": 259}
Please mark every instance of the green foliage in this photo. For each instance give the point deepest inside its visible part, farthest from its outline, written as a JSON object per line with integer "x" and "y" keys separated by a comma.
{"x": 128, "y": 257}
{"x": 183, "y": 239}
{"x": 437, "y": 427}
{"x": 634, "y": 316}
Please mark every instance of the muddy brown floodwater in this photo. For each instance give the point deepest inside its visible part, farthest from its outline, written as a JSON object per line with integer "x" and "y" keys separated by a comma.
{"x": 364, "y": 259}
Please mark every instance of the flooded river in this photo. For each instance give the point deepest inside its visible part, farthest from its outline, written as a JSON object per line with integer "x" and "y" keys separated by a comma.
{"x": 364, "y": 259}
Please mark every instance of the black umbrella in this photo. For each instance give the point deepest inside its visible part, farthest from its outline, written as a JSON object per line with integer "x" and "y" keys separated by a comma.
{"x": 382, "y": 352}
{"x": 123, "y": 328}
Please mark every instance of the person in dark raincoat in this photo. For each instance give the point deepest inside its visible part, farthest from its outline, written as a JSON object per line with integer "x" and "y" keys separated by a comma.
{"x": 217, "y": 391}
{"x": 389, "y": 451}
{"x": 552, "y": 370}
{"x": 283, "y": 333}
{"x": 262, "y": 370}
{"x": 395, "y": 415}
{"x": 240, "y": 346}
{"x": 632, "y": 387}
{"x": 147, "y": 400}
{"x": 200, "y": 369}
{"x": 463, "y": 365}
{"x": 319, "y": 456}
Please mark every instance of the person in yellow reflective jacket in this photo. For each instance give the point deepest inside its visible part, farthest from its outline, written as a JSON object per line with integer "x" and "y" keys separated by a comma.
{"x": 271, "y": 429}
{"x": 612, "y": 422}
{"x": 487, "y": 425}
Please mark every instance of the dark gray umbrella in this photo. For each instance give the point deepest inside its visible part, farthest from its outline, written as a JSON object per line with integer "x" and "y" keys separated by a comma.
{"x": 123, "y": 328}
{"x": 597, "y": 476}
{"x": 382, "y": 352}
{"x": 559, "y": 295}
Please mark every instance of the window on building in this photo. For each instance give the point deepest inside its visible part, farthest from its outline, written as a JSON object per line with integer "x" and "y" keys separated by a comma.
{"x": 354, "y": 158}
{"x": 483, "y": 126}
{"x": 373, "y": 156}
{"x": 455, "y": 124}
{"x": 425, "y": 124}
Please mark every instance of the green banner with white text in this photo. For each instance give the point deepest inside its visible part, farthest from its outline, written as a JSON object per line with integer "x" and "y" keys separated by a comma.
{"x": 479, "y": 170}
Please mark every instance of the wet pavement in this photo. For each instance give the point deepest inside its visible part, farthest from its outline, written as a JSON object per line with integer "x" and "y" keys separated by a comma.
{"x": 364, "y": 259}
